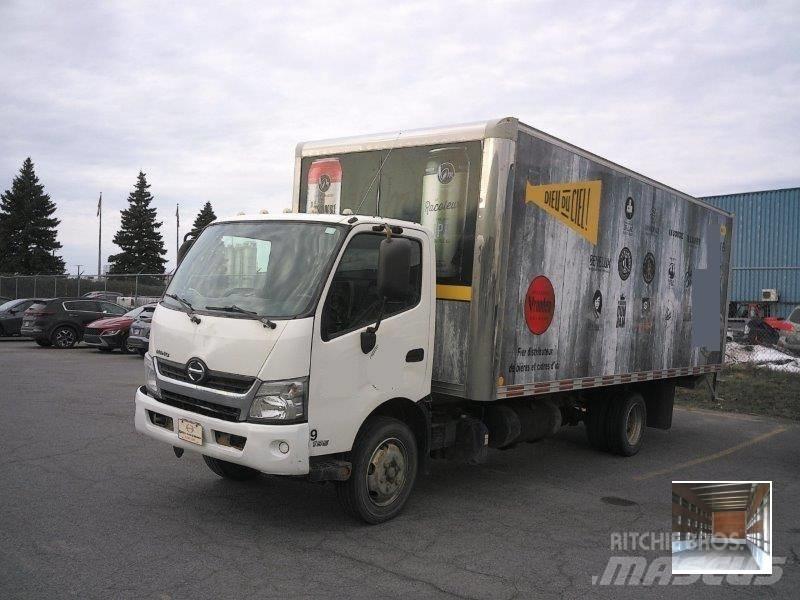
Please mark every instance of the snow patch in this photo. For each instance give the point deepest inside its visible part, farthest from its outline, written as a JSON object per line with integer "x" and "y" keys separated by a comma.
{"x": 761, "y": 356}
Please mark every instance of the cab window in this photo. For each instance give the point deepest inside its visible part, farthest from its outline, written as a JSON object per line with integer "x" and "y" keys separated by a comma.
{"x": 353, "y": 301}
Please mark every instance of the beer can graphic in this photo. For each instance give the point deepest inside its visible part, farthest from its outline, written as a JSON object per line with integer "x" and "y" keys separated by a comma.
{"x": 444, "y": 204}
{"x": 324, "y": 186}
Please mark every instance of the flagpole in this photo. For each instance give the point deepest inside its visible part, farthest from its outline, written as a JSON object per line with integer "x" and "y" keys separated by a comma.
{"x": 99, "y": 233}
{"x": 177, "y": 232}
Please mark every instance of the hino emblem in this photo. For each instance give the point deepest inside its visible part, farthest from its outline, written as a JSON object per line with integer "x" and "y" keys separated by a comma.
{"x": 196, "y": 370}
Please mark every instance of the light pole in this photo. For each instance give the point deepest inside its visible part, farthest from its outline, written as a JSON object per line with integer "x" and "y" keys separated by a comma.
{"x": 79, "y": 280}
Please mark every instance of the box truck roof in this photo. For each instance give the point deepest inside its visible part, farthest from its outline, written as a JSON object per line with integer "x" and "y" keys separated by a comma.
{"x": 505, "y": 128}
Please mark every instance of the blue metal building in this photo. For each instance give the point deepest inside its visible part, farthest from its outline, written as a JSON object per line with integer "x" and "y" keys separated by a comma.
{"x": 766, "y": 245}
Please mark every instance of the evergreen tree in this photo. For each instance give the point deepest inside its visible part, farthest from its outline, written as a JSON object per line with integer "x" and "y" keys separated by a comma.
{"x": 139, "y": 237}
{"x": 204, "y": 217}
{"x": 27, "y": 227}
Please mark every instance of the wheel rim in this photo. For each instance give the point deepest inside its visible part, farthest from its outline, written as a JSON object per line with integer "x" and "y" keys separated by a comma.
{"x": 386, "y": 472}
{"x": 65, "y": 337}
{"x": 634, "y": 424}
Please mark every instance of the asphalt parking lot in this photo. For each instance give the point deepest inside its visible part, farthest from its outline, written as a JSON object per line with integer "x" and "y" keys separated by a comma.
{"x": 91, "y": 509}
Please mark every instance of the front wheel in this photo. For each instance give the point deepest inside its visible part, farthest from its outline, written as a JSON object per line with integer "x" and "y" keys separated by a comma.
{"x": 64, "y": 337}
{"x": 229, "y": 470}
{"x": 384, "y": 459}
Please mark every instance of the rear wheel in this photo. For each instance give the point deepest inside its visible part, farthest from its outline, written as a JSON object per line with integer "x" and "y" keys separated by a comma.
{"x": 228, "y": 470}
{"x": 44, "y": 343}
{"x": 384, "y": 459}
{"x": 64, "y": 337}
{"x": 626, "y": 424}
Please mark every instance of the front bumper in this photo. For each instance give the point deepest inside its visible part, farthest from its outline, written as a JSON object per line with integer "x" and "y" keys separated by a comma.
{"x": 261, "y": 450}
{"x": 134, "y": 341}
{"x": 103, "y": 341}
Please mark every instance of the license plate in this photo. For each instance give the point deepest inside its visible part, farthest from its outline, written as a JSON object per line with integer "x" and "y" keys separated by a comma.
{"x": 190, "y": 431}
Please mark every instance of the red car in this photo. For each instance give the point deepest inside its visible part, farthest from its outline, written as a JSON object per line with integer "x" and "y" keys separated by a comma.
{"x": 108, "y": 334}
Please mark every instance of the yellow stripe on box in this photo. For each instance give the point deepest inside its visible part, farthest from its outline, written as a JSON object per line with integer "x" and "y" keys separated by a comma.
{"x": 576, "y": 205}
{"x": 454, "y": 292}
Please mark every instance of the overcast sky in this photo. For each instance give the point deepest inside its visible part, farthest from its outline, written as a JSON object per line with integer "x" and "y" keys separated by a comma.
{"x": 210, "y": 102}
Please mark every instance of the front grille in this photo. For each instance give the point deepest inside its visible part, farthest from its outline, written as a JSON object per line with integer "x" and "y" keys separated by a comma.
{"x": 209, "y": 409}
{"x": 91, "y": 331}
{"x": 226, "y": 382}
{"x": 92, "y": 339}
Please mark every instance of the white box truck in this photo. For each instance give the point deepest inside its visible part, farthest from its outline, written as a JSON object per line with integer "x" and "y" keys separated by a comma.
{"x": 434, "y": 293}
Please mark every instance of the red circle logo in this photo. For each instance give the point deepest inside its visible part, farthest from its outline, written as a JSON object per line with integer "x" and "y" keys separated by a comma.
{"x": 540, "y": 304}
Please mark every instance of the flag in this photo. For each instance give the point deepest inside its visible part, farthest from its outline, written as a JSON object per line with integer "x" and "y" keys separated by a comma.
{"x": 100, "y": 205}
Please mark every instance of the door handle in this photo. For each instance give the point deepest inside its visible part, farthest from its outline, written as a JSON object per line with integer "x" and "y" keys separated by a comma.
{"x": 415, "y": 355}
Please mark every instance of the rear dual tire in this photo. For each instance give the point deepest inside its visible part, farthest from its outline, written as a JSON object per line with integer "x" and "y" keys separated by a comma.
{"x": 616, "y": 424}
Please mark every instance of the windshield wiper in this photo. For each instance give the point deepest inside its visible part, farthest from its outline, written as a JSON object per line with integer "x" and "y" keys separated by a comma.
{"x": 192, "y": 317}
{"x": 238, "y": 309}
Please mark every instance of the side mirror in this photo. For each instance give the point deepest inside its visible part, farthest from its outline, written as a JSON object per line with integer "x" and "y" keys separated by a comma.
{"x": 394, "y": 268}
{"x": 187, "y": 243}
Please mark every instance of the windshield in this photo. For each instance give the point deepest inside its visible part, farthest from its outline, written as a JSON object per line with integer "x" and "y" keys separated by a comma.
{"x": 270, "y": 268}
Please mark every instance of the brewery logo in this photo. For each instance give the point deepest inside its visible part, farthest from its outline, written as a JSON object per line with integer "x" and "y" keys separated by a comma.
{"x": 629, "y": 208}
{"x": 622, "y": 308}
{"x": 676, "y": 234}
{"x": 446, "y": 172}
{"x": 599, "y": 263}
{"x": 649, "y": 268}
{"x": 575, "y": 205}
{"x": 671, "y": 272}
{"x": 687, "y": 282}
{"x": 540, "y": 305}
{"x": 693, "y": 240}
{"x": 667, "y": 314}
{"x": 645, "y": 308}
{"x": 324, "y": 182}
{"x": 652, "y": 228}
{"x": 625, "y": 264}
{"x": 597, "y": 304}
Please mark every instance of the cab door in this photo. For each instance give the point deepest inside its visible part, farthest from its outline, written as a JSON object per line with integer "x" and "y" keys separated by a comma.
{"x": 347, "y": 384}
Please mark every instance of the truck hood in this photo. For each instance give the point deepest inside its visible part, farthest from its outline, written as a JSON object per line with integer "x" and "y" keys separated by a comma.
{"x": 229, "y": 345}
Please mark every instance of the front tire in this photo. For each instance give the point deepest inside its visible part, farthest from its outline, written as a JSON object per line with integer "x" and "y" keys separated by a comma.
{"x": 64, "y": 337}
{"x": 384, "y": 459}
{"x": 229, "y": 470}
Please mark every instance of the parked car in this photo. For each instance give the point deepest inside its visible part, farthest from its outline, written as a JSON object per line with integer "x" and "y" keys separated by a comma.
{"x": 60, "y": 322}
{"x": 139, "y": 334}
{"x": 789, "y": 332}
{"x": 11, "y": 315}
{"x": 112, "y": 332}
{"x": 103, "y": 295}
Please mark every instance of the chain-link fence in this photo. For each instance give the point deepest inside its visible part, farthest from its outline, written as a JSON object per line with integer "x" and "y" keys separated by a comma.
{"x": 125, "y": 289}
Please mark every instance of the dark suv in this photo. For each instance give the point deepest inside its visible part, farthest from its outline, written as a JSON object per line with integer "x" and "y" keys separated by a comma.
{"x": 60, "y": 322}
{"x": 11, "y": 315}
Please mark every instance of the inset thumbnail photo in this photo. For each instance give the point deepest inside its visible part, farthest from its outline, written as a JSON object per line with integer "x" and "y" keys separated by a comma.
{"x": 721, "y": 527}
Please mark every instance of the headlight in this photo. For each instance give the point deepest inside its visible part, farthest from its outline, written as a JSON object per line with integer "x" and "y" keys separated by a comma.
{"x": 280, "y": 401}
{"x": 150, "y": 376}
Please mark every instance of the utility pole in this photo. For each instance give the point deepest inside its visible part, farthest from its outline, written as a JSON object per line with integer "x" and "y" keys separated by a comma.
{"x": 99, "y": 232}
{"x": 79, "y": 280}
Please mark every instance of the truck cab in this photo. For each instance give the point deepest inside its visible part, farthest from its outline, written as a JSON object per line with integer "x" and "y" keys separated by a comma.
{"x": 299, "y": 345}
